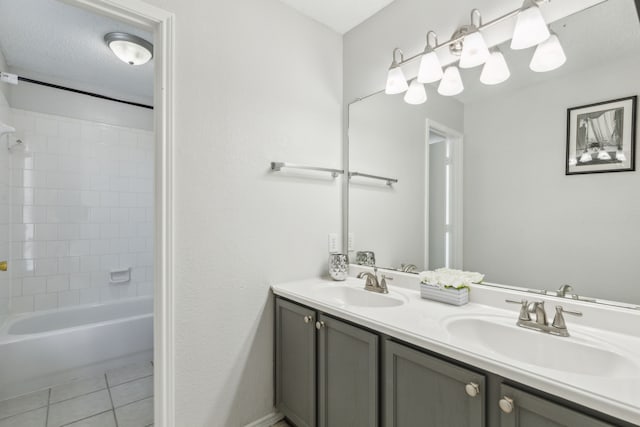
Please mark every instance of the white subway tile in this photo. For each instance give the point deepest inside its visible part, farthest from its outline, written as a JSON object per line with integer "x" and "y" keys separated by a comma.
{"x": 80, "y": 247}
{"x": 68, "y": 298}
{"x": 22, "y": 268}
{"x": 138, "y": 215}
{"x": 68, "y": 265}
{"x": 137, "y": 244}
{"x": 46, "y": 266}
{"x": 46, "y": 126}
{"x": 145, "y": 288}
{"x": 46, "y": 162}
{"x": 46, "y": 232}
{"x": 99, "y": 279}
{"x": 22, "y": 232}
{"x": 69, "y": 231}
{"x": 69, "y": 198}
{"x": 22, "y": 304}
{"x": 46, "y": 301}
{"x": 16, "y": 286}
{"x": 119, "y": 245}
{"x": 89, "y": 231}
{"x": 109, "y": 199}
{"x": 109, "y": 231}
{"x": 89, "y": 263}
{"x": 90, "y": 198}
{"x": 57, "y": 248}
{"x": 70, "y": 129}
{"x": 100, "y": 183}
{"x": 79, "y": 280}
{"x": 57, "y": 283}
{"x": 99, "y": 215}
{"x": 89, "y": 296}
{"x": 33, "y": 249}
{"x": 22, "y": 196}
{"x": 34, "y": 285}
{"x": 100, "y": 247}
{"x": 119, "y": 215}
{"x": 32, "y": 215}
{"x": 110, "y": 262}
{"x": 57, "y": 145}
{"x": 46, "y": 196}
{"x": 109, "y": 293}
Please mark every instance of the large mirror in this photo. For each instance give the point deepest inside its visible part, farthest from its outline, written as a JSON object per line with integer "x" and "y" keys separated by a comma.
{"x": 481, "y": 176}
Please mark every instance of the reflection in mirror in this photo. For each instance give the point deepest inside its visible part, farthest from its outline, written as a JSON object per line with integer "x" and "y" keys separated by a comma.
{"x": 525, "y": 222}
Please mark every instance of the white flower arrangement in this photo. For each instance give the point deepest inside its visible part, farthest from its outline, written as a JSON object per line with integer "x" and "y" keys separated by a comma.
{"x": 447, "y": 278}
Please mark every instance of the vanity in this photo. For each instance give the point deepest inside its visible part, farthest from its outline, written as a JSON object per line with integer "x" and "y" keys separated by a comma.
{"x": 350, "y": 357}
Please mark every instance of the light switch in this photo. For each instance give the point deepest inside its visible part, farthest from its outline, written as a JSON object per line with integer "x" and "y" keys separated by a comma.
{"x": 333, "y": 243}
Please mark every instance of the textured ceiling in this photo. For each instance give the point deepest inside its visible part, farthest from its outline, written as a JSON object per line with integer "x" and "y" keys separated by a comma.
{"x": 339, "y": 15}
{"x": 53, "y": 41}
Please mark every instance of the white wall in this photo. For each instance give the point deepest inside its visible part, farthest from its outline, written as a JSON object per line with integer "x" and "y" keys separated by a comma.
{"x": 82, "y": 205}
{"x": 525, "y": 222}
{"x": 5, "y": 116}
{"x": 388, "y": 137}
{"x": 255, "y": 82}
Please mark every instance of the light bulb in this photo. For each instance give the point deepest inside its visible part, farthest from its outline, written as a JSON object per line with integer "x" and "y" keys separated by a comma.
{"x": 430, "y": 69}
{"x": 495, "y": 70}
{"x": 531, "y": 29}
{"x": 548, "y": 56}
{"x": 451, "y": 83}
{"x": 603, "y": 155}
{"x": 416, "y": 94}
{"x": 474, "y": 50}
{"x": 396, "y": 82}
{"x": 585, "y": 158}
{"x": 620, "y": 156}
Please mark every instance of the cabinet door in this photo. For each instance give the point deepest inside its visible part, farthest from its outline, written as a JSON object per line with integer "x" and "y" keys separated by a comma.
{"x": 348, "y": 375}
{"x": 421, "y": 390}
{"x": 528, "y": 410}
{"x": 296, "y": 363}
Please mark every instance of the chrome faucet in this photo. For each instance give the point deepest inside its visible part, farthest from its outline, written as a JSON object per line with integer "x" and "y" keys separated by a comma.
{"x": 557, "y": 327}
{"x": 372, "y": 284}
{"x": 408, "y": 268}
{"x": 564, "y": 290}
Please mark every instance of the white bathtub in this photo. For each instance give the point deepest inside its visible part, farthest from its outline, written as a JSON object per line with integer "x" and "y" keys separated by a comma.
{"x": 38, "y": 350}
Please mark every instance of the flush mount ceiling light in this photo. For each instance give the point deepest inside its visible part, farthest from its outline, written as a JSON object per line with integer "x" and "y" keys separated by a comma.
{"x": 128, "y": 48}
{"x": 396, "y": 82}
{"x": 469, "y": 44}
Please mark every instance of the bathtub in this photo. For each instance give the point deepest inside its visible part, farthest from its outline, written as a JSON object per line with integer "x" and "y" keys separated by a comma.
{"x": 38, "y": 350}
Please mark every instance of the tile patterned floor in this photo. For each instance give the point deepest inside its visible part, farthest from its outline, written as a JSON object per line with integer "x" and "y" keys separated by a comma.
{"x": 121, "y": 397}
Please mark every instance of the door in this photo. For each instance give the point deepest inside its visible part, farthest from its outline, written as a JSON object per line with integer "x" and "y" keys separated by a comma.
{"x": 521, "y": 409}
{"x": 296, "y": 363}
{"x": 348, "y": 375}
{"x": 421, "y": 390}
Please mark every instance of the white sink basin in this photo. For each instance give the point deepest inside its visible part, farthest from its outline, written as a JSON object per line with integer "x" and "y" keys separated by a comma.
{"x": 358, "y": 297}
{"x": 575, "y": 354}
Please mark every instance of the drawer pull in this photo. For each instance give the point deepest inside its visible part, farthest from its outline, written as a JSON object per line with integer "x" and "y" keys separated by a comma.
{"x": 319, "y": 325}
{"x": 472, "y": 389}
{"x": 506, "y": 405}
{"x": 308, "y": 319}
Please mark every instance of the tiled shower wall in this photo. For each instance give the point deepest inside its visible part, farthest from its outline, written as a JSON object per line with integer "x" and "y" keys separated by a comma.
{"x": 82, "y": 205}
{"x": 4, "y": 213}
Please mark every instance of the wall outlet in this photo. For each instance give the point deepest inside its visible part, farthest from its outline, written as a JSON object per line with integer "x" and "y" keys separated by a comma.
{"x": 9, "y": 78}
{"x": 351, "y": 242}
{"x": 333, "y": 243}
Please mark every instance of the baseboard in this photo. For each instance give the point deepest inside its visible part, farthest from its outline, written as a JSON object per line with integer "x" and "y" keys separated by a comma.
{"x": 267, "y": 420}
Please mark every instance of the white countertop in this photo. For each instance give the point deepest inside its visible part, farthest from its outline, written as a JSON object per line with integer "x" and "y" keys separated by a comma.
{"x": 423, "y": 323}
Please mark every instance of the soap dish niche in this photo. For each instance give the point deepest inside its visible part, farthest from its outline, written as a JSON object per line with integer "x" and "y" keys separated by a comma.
{"x": 120, "y": 276}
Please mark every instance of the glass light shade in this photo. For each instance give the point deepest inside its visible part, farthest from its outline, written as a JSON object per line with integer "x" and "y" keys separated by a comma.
{"x": 416, "y": 94}
{"x": 585, "y": 158}
{"x": 129, "y": 52}
{"x": 531, "y": 29}
{"x": 396, "y": 81}
{"x": 548, "y": 56}
{"x": 451, "y": 83}
{"x": 430, "y": 69}
{"x": 474, "y": 50}
{"x": 620, "y": 156}
{"x": 603, "y": 155}
{"x": 495, "y": 70}
{"x": 573, "y": 161}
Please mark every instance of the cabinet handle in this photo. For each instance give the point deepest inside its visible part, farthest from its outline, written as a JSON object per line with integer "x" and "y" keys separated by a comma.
{"x": 506, "y": 405}
{"x": 472, "y": 389}
{"x": 319, "y": 325}
{"x": 308, "y": 319}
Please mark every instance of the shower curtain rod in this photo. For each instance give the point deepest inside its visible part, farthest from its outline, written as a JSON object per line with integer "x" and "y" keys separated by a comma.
{"x": 82, "y": 92}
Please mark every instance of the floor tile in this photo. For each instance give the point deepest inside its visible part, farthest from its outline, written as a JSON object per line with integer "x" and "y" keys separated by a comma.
{"x": 132, "y": 391}
{"x": 35, "y": 418}
{"x": 106, "y": 419}
{"x": 24, "y": 403}
{"x": 128, "y": 373}
{"x": 77, "y": 388}
{"x": 78, "y": 408}
{"x": 137, "y": 414}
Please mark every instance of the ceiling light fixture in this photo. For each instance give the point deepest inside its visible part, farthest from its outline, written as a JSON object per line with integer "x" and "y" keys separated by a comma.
{"x": 474, "y": 49}
{"x": 531, "y": 28}
{"x": 451, "y": 83}
{"x": 495, "y": 70}
{"x": 430, "y": 68}
{"x": 548, "y": 56}
{"x": 416, "y": 94}
{"x": 396, "y": 81}
{"x": 128, "y": 48}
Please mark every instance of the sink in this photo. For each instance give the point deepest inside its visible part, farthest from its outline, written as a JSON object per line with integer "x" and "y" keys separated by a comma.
{"x": 358, "y": 297}
{"x": 575, "y": 354}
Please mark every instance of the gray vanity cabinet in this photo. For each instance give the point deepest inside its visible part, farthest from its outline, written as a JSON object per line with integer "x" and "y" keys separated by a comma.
{"x": 348, "y": 375}
{"x": 296, "y": 363}
{"x": 421, "y": 390}
{"x": 526, "y": 410}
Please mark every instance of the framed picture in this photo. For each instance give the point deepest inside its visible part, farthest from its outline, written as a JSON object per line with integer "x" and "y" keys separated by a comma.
{"x": 602, "y": 137}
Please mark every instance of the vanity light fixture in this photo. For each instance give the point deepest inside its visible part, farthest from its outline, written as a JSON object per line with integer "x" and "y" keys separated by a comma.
{"x": 586, "y": 157}
{"x": 548, "y": 56}
{"x": 531, "y": 28}
{"x": 128, "y": 48}
{"x": 495, "y": 70}
{"x": 451, "y": 83}
{"x": 474, "y": 49}
{"x": 416, "y": 94}
{"x": 430, "y": 68}
{"x": 396, "y": 81}
{"x": 603, "y": 155}
{"x": 620, "y": 156}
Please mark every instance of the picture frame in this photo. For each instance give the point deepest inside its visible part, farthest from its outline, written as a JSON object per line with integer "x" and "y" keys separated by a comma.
{"x": 601, "y": 137}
